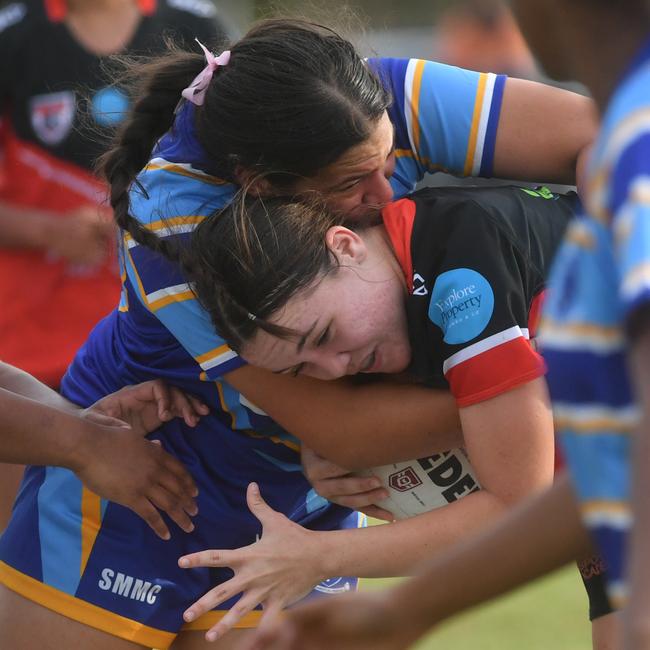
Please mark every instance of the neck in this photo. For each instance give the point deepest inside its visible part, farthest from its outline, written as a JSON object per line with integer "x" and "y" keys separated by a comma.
{"x": 609, "y": 57}
{"x": 379, "y": 245}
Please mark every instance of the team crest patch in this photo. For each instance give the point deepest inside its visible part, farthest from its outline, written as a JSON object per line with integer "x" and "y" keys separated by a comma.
{"x": 462, "y": 302}
{"x": 52, "y": 116}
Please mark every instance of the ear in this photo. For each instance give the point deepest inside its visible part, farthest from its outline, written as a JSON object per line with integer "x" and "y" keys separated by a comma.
{"x": 253, "y": 182}
{"x": 346, "y": 245}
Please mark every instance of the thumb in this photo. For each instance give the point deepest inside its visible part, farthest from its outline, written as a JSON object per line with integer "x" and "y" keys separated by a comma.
{"x": 257, "y": 505}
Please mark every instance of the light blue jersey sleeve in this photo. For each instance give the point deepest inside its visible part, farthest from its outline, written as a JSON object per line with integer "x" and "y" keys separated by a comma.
{"x": 445, "y": 119}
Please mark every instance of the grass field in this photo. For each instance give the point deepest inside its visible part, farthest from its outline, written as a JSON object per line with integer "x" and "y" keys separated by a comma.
{"x": 550, "y": 614}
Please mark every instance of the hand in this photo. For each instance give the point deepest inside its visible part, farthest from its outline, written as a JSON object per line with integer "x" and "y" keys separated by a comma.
{"x": 122, "y": 466}
{"x": 279, "y": 569}
{"x": 146, "y": 406}
{"x": 359, "y": 621}
{"x": 84, "y": 236}
{"x": 348, "y": 489}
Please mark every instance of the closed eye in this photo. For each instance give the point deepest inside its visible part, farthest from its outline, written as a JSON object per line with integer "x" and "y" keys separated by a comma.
{"x": 323, "y": 338}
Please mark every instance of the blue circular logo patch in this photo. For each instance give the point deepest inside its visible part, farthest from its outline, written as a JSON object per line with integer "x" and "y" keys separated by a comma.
{"x": 462, "y": 302}
{"x": 109, "y": 106}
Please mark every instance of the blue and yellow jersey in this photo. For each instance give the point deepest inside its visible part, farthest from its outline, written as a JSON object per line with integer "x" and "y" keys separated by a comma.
{"x": 445, "y": 119}
{"x": 601, "y": 276}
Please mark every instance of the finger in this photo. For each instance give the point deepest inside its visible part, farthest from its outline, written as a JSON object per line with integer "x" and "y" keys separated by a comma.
{"x": 146, "y": 511}
{"x": 201, "y": 408}
{"x": 160, "y": 392}
{"x": 165, "y": 501}
{"x": 175, "y": 478}
{"x": 180, "y": 494}
{"x": 257, "y": 505}
{"x": 209, "y": 558}
{"x": 356, "y": 501}
{"x": 243, "y": 606}
{"x": 213, "y": 598}
{"x": 319, "y": 469}
{"x": 269, "y": 632}
{"x": 182, "y": 407}
{"x": 378, "y": 513}
{"x": 349, "y": 486}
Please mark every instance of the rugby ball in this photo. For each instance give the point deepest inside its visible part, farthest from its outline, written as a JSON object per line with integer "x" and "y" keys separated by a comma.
{"x": 423, "y": 484}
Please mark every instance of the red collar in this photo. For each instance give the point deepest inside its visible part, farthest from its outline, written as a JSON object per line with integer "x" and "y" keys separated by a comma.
{"x": 57, "y": 9}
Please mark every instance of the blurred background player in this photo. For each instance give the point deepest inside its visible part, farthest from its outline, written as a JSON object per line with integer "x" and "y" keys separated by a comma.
{"x": 58, "y": 272}
{"x": 483, "y": 35}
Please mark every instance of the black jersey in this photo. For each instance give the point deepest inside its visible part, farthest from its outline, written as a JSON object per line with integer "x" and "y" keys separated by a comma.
{"x": 476, "y": 261}
{"x": 49, "y": 83}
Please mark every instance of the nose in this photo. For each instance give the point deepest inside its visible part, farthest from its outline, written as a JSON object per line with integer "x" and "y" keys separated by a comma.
{"x": 378, "y": 189}
{"x": 330, "y": 365}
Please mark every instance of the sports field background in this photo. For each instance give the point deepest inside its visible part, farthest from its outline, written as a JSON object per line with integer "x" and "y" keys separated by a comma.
{"x": 550, "y": 614}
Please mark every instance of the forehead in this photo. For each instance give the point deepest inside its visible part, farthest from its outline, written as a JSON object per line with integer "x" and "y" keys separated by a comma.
{"x": 306, "y": 312}
{"x": 363, "y": 158}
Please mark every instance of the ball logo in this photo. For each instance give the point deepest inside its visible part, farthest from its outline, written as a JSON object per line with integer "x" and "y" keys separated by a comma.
{"x": 462, "y": 302}
{"x": 405, "y": 479}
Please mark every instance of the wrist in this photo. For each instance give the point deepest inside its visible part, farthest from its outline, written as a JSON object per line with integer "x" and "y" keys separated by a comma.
{"x": 75, "y": 447}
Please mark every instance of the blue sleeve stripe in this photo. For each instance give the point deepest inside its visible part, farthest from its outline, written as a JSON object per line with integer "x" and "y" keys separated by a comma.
{"x": 487, "y": 163}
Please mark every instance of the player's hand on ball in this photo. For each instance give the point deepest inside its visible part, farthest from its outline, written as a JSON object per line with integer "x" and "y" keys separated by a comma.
{"x": 276, "y": 571}
{"x": 368, "y": 621}
{"x": 339, "y": 485}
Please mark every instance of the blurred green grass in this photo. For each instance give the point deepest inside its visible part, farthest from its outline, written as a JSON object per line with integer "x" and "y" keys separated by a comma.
{"x": 549, "y": 614}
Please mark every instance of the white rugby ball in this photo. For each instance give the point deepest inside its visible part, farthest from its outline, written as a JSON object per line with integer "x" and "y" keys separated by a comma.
{"x": 423, "y": 484}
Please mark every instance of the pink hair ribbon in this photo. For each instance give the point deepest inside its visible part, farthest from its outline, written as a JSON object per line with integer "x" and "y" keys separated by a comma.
{"x": 195, "y": 92}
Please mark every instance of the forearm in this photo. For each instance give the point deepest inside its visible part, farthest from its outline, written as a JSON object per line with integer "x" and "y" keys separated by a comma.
{"x": 25, "y": 228}
{"x": 17, "y": 381}
{"x": 352, "y": 425}
{"x": 37, "y": 434}
{"x": 396, "y": 549}
{"x": 540, "y": 535}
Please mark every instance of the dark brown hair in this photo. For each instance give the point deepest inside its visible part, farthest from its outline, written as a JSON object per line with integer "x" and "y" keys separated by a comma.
{"x": 293, "y": 98}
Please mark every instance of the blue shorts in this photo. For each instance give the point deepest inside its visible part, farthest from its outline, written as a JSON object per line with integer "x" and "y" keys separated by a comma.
{"x": 98, "y": 563}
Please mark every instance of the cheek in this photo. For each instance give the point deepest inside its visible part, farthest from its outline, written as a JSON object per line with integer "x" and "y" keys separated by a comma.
{"x": 346, "y": 204}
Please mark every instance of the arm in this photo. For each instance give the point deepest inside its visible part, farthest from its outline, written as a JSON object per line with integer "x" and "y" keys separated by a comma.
{"x": 510, "y": 441}
{"x": 82, "y": 236}
{"x": 535, "y": 538}
{"x": 355, "y": 425}
{"x": 555, "y": 126}
{"x": 636, "y": 627}
{"x": 114, "y": 460}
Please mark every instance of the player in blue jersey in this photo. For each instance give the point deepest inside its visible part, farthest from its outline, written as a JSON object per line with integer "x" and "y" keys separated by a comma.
{"x": 290, "y": 108}
{"x": 596, "y": 341}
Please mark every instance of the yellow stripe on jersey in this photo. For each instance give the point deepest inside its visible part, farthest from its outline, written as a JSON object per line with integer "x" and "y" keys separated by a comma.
{"x": 170, "y": 298}
{"x": 91, "y": 519}
{"x": 163, "y": 224}
{"x": 80, "y": 610}
{"x": 184, "y": 171}
{"x": 476, "y": 121}
{"x": 415, "y": 104}
{"x": 224, "y": 406}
